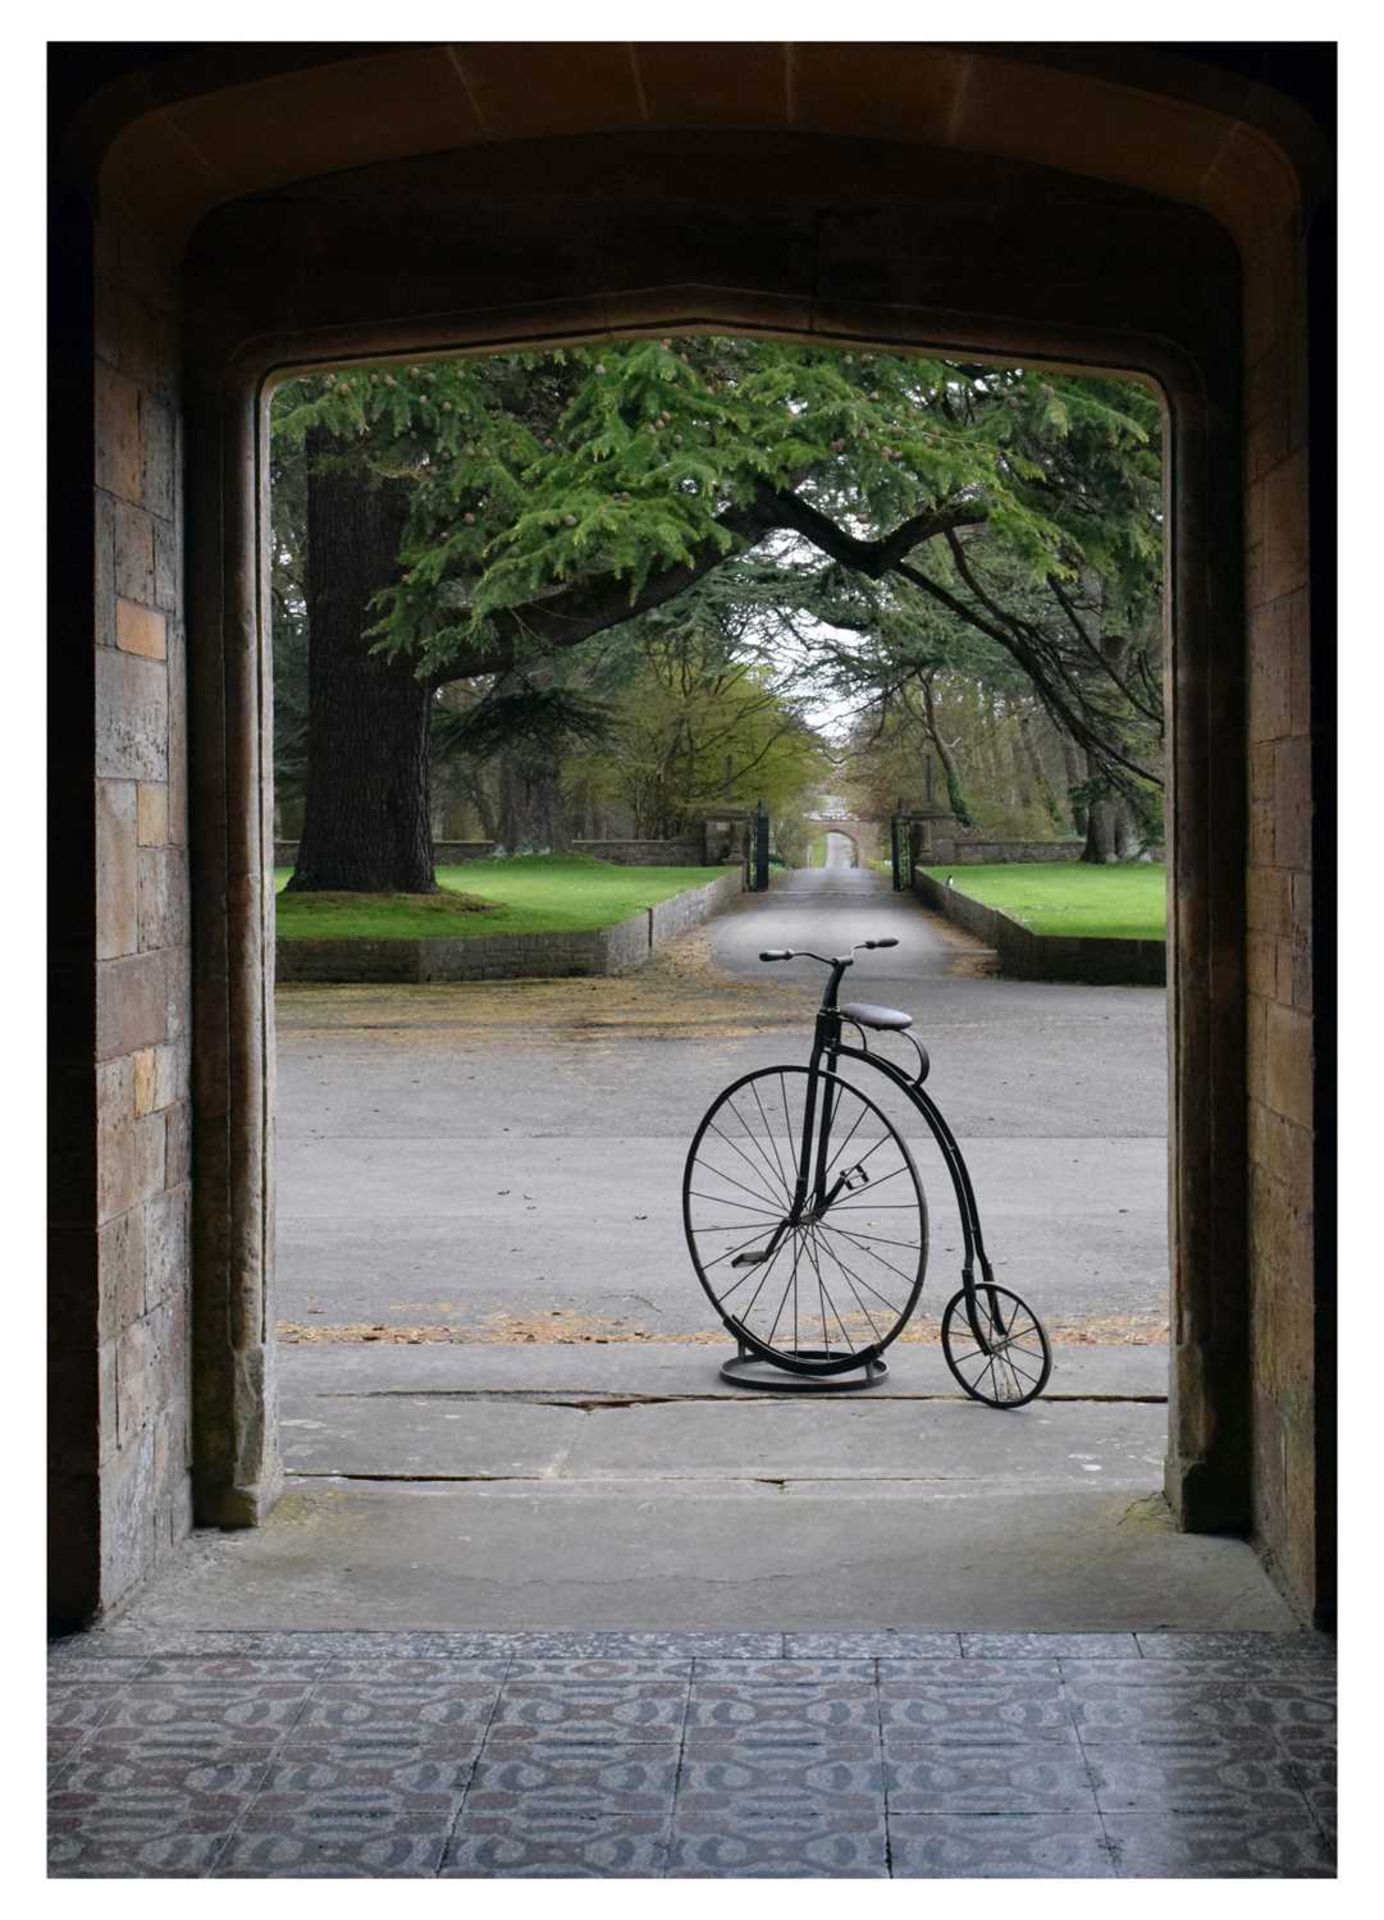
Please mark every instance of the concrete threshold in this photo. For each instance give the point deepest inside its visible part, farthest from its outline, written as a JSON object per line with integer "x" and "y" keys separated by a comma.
{"x": 489, "y": 1488}
{"x": 726, "y": 1557}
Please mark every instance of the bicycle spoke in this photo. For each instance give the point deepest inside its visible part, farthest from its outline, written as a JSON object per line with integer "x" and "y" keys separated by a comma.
{"x": 769, "y": 1169}
{"x": 850, "y": 1280}
{"x": 835, "y": 1309}
{"x": 884, "y": 1206}
{"x": 907, "y": 1278}
{"x": 773, "y": 1262}
{"x": 754, "y": 1166}
{"x": 722, "y": 1200}
{"x": 782, "y": 1303}
{"x": 721, "y": 1174}
{"x": 769, "y": 1136}
{"x": 858, "y": 1233}
{"x": 883, "y": 1298}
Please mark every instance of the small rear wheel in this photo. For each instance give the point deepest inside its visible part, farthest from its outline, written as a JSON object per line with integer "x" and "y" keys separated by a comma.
{"x": 995, "y": 1346}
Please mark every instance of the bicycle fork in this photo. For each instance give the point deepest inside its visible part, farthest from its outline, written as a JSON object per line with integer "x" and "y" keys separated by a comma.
{"x": 813, "y": 1165}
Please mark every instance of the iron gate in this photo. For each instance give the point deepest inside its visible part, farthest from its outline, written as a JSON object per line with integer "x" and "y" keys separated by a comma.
{"x": 901, "y": 852}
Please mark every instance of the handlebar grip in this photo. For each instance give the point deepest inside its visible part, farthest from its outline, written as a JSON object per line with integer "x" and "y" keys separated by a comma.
{"x": 890, "y": 942}
{"x": 776, "y": 953}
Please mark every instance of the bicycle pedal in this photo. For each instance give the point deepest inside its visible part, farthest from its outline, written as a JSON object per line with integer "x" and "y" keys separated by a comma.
{"x": 856, "y": 1179}
{"x": 749, "y": 1259}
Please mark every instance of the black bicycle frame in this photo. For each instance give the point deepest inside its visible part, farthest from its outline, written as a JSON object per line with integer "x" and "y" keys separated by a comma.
{"x": 827, "y": 1048}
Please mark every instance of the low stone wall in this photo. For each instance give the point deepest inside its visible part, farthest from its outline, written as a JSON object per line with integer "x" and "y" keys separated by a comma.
{"x": 455, "y": 853}
{"x": 446, "y": 853}
{"x": 984, "y": 853}
{"x": 620, "y": 853}
{"x": 1025, "y": 955}
{"x": 507, "y": 956}
{"x": 646, "y": 853}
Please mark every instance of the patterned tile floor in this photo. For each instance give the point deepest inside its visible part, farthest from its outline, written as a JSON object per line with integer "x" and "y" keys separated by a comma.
{"x": 869, "y": 1754}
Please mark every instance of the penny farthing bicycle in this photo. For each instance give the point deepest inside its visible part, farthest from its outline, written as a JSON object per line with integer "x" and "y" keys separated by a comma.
{"x": 808, "y": 1225}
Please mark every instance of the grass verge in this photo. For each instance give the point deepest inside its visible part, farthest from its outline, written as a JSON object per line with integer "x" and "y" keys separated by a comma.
{"x": 538, "y": 893}
{"x": 1069, "y": 897}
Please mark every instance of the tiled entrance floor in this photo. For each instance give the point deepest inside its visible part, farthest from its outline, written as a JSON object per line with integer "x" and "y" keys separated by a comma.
{"x": 874, "y": 1754}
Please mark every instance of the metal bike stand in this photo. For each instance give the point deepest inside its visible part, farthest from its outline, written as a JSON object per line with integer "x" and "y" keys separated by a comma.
{"x": 770, "y": 1376}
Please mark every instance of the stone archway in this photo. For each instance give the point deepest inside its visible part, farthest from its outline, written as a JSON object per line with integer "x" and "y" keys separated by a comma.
{"x": 343, "y": 203}
{"x": 864, "y": 835}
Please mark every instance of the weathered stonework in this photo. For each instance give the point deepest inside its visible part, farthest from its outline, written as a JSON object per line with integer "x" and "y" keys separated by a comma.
{"x": 1279, "y": 1025}
{"x": 816, "y": 192}
{"x": 122, "y": 1411}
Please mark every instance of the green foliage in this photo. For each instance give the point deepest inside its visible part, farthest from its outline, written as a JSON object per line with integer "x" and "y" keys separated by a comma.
{"x": 1027, "y": 583}
{"x": 536, "y": 471}
{"x": 698, "y": 723}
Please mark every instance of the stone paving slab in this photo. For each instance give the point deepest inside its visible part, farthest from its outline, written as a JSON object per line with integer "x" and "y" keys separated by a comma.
{"x": 728, "y": 1556}
{"x": 406, "y": 1436}
{"x": 594, "y": 1369}
{"x": 693, "y": 1762}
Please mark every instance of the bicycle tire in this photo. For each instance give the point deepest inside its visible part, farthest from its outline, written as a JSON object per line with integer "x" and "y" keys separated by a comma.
{"x": 742, "y": 1170}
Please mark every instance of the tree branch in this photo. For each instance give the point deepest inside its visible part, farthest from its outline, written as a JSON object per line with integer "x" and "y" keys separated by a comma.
{"x": 573, "y": 614}
{"x": 1053, "y": 698}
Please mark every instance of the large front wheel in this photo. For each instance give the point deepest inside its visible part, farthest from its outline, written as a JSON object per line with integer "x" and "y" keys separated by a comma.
{"x": 808, "y": 1229}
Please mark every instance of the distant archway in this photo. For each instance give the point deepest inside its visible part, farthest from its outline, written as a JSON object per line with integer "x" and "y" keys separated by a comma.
{"x": 864, "y": 835}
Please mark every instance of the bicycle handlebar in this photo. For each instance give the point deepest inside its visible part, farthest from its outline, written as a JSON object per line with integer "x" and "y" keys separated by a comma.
{"x": 787, "y": 953}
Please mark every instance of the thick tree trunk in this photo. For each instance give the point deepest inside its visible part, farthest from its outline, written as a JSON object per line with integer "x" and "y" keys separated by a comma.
{"x": 1051, "y": 804}
{"x": 367, "y": 828}
{"x": 956, "y": 796}
{"x": 473, "y": 785}
{"x": 532, "y": 813}
{"x": 1112, "y": 832}
{"x": 1078, "y": 772}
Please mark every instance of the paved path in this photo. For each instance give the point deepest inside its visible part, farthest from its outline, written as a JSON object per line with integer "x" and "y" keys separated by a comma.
{"x": 264, "y": 1755}
{"x": 508, "y": 1159}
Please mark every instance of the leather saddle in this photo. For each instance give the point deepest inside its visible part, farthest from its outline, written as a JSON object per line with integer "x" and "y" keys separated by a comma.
{"x": 888, "y": 1019}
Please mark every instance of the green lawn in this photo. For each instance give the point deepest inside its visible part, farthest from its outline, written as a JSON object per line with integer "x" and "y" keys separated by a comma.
{"x": 1116, "y": 903}
{"x": 542, "y": 893}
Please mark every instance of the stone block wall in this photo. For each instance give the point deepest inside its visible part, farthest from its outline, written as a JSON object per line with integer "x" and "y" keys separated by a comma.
{"x": 1022, "y": 954}
{"x": 672, "y": 917}
{"x": 1279, "y": 913}
{"x": 645, "y": 853}
{"x": 963, "y": 852}
{"x": 123, "y": 1446}
{"x": 620, "y": 853}
{"x": 507, "y": 956}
